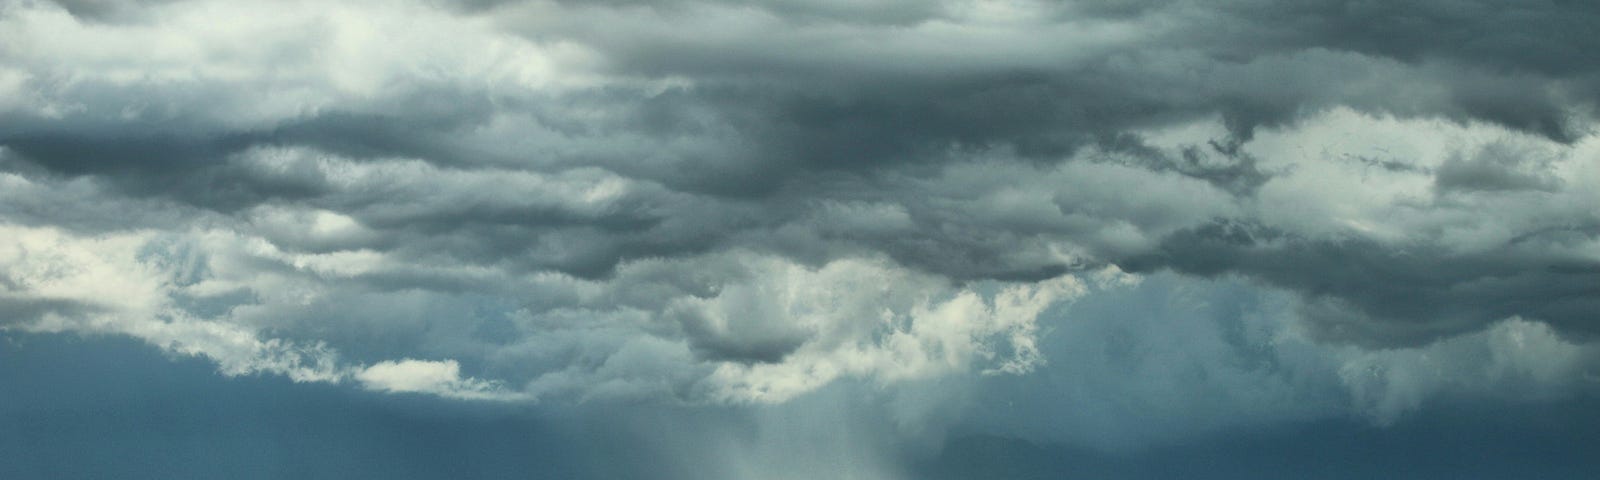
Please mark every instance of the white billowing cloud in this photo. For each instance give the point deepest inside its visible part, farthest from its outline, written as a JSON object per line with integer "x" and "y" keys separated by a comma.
{"x": 774, "y": 329}
{"x": 424, "y": 376}
{"x": 296, "y": 58}
{"x": 314, "y": 229}
{"x": 400, "y": 190}
{"x": 867, "y": 319}
{"x": 222, "y": 294}
{"x": 119, "y": 284}
{"x": 963, "y": 38}
{"x": 1344, "y": 171}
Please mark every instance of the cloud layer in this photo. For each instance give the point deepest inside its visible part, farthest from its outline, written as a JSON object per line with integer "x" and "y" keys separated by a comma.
{"x": 1214, "y": 214}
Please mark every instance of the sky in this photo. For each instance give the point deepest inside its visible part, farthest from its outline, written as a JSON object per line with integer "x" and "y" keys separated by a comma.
{"x": 785, "y": 239}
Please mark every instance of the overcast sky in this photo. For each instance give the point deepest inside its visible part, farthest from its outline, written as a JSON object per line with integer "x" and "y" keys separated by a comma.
{"x": 788, "y": 239}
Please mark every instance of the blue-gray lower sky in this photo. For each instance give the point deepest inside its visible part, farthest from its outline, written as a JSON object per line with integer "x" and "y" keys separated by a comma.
{"x": 719, "y": 239}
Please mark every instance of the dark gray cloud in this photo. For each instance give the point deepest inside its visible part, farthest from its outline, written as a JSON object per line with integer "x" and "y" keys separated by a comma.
{"x": 21, "y": 311}
{"x": 110, "y": 11}
{"x": 1364, "y": 291}
{"x": 1497, "y": 167}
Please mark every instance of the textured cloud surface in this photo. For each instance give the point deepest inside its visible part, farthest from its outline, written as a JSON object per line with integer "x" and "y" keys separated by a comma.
{"x": 1109, "y": 224}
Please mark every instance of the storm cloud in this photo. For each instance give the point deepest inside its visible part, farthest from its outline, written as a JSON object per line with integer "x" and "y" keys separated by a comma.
{"x": 1350, "y": 209}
